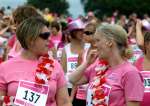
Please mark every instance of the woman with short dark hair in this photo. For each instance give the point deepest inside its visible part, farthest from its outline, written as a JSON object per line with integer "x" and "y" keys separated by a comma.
{"x": 33, "y": 77}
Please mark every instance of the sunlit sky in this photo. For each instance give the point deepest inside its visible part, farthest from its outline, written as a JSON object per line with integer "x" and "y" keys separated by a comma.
{"x": 75, "y": 6}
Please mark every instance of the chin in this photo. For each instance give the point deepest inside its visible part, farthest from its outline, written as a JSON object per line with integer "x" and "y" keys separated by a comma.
{"x": 44, "y": 52}
{"x": 103, "y": 57}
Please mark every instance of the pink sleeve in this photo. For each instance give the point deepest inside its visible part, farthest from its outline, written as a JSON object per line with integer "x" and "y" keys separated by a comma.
{"x": 90, "y": 72}
{"x": 138, "y": 64}
{"x": 11, "y": 41}
{"x": 3, "y": 83}
{"x": 61, "y": 81}
{"x": 133, "y": 86}
{"x": 87, "y": 73}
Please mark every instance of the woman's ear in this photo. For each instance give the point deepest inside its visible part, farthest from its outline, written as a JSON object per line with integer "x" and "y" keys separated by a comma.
{"x": 109, "y": 43}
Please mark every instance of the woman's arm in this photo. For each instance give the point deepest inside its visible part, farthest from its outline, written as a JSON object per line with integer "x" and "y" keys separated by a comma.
{"x": 62, "y": 97}
{"x": 3, "y": 31}
{"x": 139, "y": 35}
{"x": 133, "y": 103}
{"x": 2, "y": 93}
{"x": 73, "y": 92}
{"x": 75, "y": 76}
{"x": 64, "y": 61}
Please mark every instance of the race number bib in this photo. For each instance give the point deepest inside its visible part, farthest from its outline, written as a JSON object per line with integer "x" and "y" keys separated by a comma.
{"x": 106, "y": 89}
{"x": 31, "y": 94}
{"x": 72, "y": 63}
{"x": 146, "y": 77}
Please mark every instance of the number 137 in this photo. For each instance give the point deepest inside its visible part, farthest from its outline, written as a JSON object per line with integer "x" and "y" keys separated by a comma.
{"x": 32, "y": 97}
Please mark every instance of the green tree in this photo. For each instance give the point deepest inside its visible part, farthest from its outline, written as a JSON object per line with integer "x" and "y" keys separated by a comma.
{"x": 101, "y": 7}
{"x": 57, "y": 6}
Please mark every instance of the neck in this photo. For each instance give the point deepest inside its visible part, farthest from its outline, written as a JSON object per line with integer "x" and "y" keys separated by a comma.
{"x": 115, "y": 59}
{"x": 147, "y": 56}
{"x": 56, "y": 34}
{"x": 29, "y": 55}
{"x": 76, "y": 42}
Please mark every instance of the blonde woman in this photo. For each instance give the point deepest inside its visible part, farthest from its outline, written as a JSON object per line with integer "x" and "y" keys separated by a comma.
{"x": 112, "y": 80}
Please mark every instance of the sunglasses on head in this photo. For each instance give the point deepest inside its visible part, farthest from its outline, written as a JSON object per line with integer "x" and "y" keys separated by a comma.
{"x": 88, "y": 33}
{"x": 44, "y": 35}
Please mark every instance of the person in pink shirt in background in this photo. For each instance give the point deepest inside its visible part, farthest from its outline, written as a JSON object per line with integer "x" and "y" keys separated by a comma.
{"x": 20, "y": 14}
{"x": 55, "y": 38}
{"x": 72, "y": 56}
{"x": 56, "y": 35}
{"x": 30, "y": 69}
{"x": 112, "y": 80}
{"x": 143, "y": 63}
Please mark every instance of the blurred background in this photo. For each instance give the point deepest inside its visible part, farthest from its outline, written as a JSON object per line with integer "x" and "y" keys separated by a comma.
{"x": 81, "y": 7}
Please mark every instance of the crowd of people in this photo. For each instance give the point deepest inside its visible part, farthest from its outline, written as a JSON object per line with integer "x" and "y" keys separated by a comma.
{"x": 52, "y": 60}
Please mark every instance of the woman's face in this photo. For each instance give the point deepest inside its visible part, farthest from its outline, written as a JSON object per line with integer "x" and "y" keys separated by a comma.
{"x": 79, "y": 34}
{"x": 102, "y": 45}
{"x": 88, "y": 34}
{"x": 54, "y": 31}
{"x": 40, "y": 45}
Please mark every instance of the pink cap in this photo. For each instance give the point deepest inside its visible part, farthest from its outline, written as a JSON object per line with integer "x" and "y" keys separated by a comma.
{"x": 75, "y": 25}
{"x": 146, "y": 25}
{"x": 69, "y": 19}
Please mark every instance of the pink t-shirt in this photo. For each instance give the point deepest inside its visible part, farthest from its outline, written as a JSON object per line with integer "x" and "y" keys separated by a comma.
{"x": 12, "y": 40}
{"x": 15, "y": 50}
{"x": 55, "y": 40}
{"x": 125, "y": 81}
{"x": 18, "y": 68}
{"x": 146, "y": 77}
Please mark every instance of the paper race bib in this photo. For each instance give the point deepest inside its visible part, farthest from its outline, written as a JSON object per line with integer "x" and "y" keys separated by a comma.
{"x": 107, "y": 90}
{"x": 146, "y": 77}
{"x": 31, "y": 94}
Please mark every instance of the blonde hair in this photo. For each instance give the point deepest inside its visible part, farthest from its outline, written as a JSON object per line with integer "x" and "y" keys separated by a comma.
{"x": 117, "y": 34}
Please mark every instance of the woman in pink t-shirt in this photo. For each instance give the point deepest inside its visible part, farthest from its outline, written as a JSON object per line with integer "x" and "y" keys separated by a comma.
{"x": 72, "y": 57}
{"x": 56, "y": 37}
{"x": 33, "y": 78}
{"x": 19, "y": 15}
{"x": 143, "y": 64}
{"x": 112, "y": 80}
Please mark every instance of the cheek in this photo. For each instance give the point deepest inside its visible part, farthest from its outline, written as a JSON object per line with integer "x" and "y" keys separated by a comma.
{"x": 86, "y": 37}
{"x": 79, "y": 36}
{"x": 40, "y": 45}
{"x": 148, "y": 48}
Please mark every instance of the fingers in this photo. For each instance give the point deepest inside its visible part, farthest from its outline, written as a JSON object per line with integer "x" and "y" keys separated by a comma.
{"x": 93, "y": 54}
{"x": 139, "y": 24}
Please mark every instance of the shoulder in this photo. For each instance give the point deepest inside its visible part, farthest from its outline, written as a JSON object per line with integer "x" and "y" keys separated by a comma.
{"x": 131, "y": 72}
{"x": 138, "y": 63}
{"x": 127, "y": 67}
{"x": 6, "y": 66}
{"x": 8, "y": 62}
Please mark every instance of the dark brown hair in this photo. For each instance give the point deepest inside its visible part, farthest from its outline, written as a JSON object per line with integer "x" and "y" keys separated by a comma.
{"x": 24, "y": 12}
{"x": 56, "y": 25}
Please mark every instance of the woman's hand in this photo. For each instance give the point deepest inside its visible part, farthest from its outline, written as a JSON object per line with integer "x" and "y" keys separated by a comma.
{"x": 62, "y": 97}
{"x": 133, "y": 104}
{"x": 2, "y": 93}
{"x": 92, "y": 56}
{"x": 138, "y": 24}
